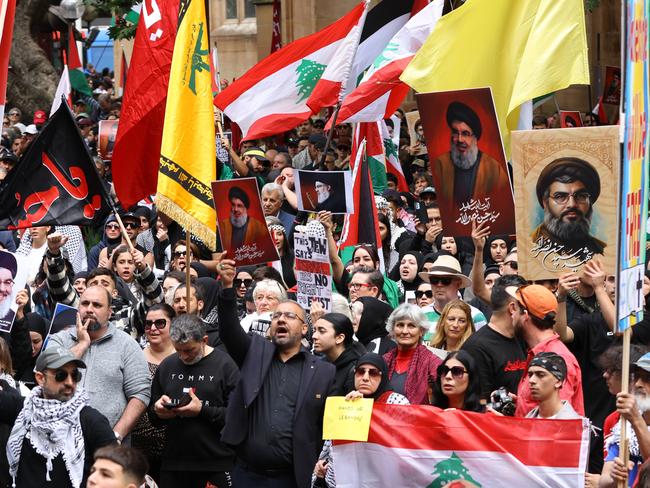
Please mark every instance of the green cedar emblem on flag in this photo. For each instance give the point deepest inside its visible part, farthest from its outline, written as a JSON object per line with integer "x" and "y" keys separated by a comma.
{"x": 309, "y": 72}
{"x": 449, "y": 470}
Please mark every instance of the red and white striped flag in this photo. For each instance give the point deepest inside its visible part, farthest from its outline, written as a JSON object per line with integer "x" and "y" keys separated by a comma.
{"x": 7, "y": 13}
{"x": 391, "y": 149}
{"x": 381, "y": 92}
{"x": 421, "y": 446}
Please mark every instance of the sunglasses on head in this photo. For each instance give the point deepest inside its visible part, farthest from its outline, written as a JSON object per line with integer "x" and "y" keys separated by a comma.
{"x": 456, "y": 371}
{"x": 159, "y": 323}
{"x": 246, "y": 282}
{"x": 60, "y": 375}
{"x": 372, "y": 372}
{"x": 440, "y": 280}
{"x": 423, "y": 293}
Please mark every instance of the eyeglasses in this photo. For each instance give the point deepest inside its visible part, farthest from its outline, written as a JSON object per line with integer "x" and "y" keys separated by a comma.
{"x": 357, "y": 286}
{"x": 437, "y": 280}
{"x": 239, "y": 282}
{"x": 60, "y": 375}
{"x": 112, "y": 227}
{"x": 513, "y": 265}
{"x": 131, "y": 225}
{"x": 289, "y": 315}
{"x": 457, "y": 372}
{"x": 562, "y": 197}
{"x": 159, "y": 323}
{"x": 372, "y": 372}
{"x": 423, "y": 293}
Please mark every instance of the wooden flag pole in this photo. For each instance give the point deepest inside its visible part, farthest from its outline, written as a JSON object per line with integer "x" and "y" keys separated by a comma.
{"x": 624, "y": 452}
{"x": 123, "y": 231}
{"x": 188, "y": 288}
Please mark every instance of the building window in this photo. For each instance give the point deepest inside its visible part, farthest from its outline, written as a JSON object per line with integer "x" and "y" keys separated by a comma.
{"x": 249, "y": 8}
{"x": 231, "y": 9}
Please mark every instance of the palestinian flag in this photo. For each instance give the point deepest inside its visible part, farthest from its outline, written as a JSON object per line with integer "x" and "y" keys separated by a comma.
{"x": 414, "y": 446}
{"x": 381, "y": 92}
{"x": 374, "y": 147}
{"x": 7, "y": 12}
{"x": 362, "y": 226}
{"x": 75, "y": 70}
{"x": 391, "y": 149}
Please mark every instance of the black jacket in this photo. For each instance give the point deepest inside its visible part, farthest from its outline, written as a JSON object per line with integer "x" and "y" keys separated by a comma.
{"x": 254, "y": 354}
{"x": 345, "y": 365}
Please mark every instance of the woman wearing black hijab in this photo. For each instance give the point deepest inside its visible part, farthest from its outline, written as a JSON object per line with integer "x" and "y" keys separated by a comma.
{"x": 371, "y": 316}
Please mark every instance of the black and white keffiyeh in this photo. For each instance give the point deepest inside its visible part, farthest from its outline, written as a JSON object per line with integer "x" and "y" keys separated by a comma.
{"x": 52, "y": 428}
{"x": 75, "y": 246}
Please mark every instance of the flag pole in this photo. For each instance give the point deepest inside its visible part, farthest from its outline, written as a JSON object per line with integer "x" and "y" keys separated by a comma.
{"x": 188, "y": 276}
{"x": 330, "y": 133}
{"x": 625, "y": 386}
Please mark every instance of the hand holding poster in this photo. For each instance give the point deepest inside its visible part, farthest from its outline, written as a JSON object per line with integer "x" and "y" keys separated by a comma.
{"x": 107, "y": 136}
{"x": 565, "y": 194}
{"x": 324, "y": 190}
{"x": 312, "y": 270}
{"x": 13, "y": 275}
{"x": 242, "y": 228}
{"x": 467, "y": 160}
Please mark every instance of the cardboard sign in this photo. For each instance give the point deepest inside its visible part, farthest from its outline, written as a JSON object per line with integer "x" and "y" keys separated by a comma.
{"x": 107, "y": 135}
{"x": 612, "y": 85}
{"x": 223, "y": 154}
{"x": 324, "y": 190}
{"x": 570, "y": 118}
{"x": 242, "y": 228}
{"x": 467, "y": 160}
{"x": 312, "y": 266}
{"x": 412, "y": 119}
{"x": 347, "y": 420}
{"x": 562, "y": 225}
{"x": 13, "y": 276}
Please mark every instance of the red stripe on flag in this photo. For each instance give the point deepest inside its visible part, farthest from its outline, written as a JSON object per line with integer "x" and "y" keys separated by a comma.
{"x": 267, "y": 126}
{"x": 325, "y": 94}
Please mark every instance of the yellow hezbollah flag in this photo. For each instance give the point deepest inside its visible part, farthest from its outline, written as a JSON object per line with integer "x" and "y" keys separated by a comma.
{"x": 522, "y": 49}
{"x": 187, "y": 153}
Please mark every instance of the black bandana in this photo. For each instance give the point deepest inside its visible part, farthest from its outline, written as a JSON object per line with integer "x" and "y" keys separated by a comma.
{"x": 553, "y": 363}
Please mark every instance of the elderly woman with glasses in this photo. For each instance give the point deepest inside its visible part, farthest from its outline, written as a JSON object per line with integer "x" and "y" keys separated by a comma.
{"x": 370, "y": 381}
{"x": 458, "y": 384}
{"x": 411, "y": 366}
{"x": 267, "y": 295}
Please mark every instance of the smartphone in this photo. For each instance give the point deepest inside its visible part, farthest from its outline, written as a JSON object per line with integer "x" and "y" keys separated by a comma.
{"x": 185, "y": 400}
{"x": 421, "y": 213}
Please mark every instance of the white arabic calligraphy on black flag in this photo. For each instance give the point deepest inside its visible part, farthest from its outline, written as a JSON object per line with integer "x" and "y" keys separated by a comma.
{"x": 55, "y": 182}
{"x": 566, "y": 185}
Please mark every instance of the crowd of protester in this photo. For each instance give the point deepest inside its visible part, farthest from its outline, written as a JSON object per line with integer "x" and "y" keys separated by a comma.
{"x": 227, "y": 386}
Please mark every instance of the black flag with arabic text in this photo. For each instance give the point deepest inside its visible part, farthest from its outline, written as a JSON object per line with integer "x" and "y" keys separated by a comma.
{"x": 55, "y": 182}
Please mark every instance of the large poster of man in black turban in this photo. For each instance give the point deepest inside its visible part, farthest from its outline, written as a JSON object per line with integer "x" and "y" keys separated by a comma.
{"x": 566, "y": 184}
{"x": 467, "y": 160}
{"x": 13, "y": 275}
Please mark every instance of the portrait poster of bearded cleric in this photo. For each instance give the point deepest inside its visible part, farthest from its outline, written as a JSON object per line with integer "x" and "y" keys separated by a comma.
{"x": 467, "y": 160}
{"x": 566, "y": 185}
{"x": 13, "y": 275}
{"x": 240, "y": 219}
{"x": 324, "y": 190}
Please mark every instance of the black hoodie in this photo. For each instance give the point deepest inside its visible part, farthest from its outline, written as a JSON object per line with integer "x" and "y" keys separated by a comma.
{"x": 345, "y": 364}
{"x": 372, "y": 325}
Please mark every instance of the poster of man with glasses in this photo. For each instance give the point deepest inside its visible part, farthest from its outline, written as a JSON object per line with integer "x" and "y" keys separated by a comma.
{"x": 12, "y": 280}
{"x": 565, "y": 194}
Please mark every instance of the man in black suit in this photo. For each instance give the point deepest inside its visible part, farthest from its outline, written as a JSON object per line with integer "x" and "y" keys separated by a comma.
{"x": 275, "y": 414}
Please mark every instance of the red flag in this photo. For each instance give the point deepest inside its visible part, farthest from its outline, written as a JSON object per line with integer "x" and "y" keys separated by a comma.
{"x": 136, "y": 154}
{"x": 7, "y": 13}
{"x": 276, "y": 40}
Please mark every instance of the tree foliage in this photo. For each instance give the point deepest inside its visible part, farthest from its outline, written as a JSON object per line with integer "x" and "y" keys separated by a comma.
{"x": 122, "y": 28}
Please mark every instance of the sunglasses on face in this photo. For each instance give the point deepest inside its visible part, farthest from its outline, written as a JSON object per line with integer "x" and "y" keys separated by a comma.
{"x": 440, "y": 281}
{"x": 112, "y": 227}
{"x": 457, "y": 372}
{"x": 513, "y": 265}
{"x": 372, "y": 372}
{"x": 60, "y": 375}
{"x": 131, "y": 225}
{"x": 178, "y": 254}
{"x": 239, "y": 282}
{"x": 423, "y": 293}
{"x": 159, "y": 323}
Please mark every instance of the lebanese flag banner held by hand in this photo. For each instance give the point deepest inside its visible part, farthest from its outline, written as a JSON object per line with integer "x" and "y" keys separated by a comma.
{"x": 136, "y": 154}
{"x": 7, "y": 13}
{"x": 381, "y": 92}
{"x": 414, "y": 446}
{"x": 271, "y": 97}
{"x": 55, "y": 182}
{"x": 329, "y": 89}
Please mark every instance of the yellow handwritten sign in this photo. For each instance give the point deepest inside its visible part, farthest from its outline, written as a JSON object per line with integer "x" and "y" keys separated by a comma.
{"x": 347, "y": 420}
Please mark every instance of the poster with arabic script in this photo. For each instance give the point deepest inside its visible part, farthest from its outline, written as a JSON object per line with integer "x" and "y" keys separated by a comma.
{"x": 467, "y": 160}
{"x": 566, "y": 189}
{"x": 242, "y": 228}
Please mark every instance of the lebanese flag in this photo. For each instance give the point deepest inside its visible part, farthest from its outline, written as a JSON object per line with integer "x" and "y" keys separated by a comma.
{"x": 374, "y": 148}
{"x": 271, "y": 97}
{"x": 329, "y": 89}
{"x": 362, "y": 226}
{"x": 75, "y": 70}
{"x": 381, "y": 92}
{"x": 7, "y": 13}
{"x": 416, "y": 446}
{"x": 391, "y": 149}
{"x": 136, "y": 154}
{"x": 63, "y": 91}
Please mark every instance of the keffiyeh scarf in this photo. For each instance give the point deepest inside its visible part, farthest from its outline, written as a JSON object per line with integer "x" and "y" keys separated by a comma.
{"x": 52, "y": 428}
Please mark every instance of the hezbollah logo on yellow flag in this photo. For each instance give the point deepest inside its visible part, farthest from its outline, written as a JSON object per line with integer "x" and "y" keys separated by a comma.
{"x": 521, "y": 49}
{"x": 188, "y": 151}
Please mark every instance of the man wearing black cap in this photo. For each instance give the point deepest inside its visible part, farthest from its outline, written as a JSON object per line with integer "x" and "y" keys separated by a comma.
{"x": 468, "y": 173}
{"x": 7, "y": 161}
{"x": 567, "y": 189}
{"x": 547, "y": 372}
{"x": 55, "y": 432}
{"x": 239, "y": 228}
{"x": 8, "y": 269}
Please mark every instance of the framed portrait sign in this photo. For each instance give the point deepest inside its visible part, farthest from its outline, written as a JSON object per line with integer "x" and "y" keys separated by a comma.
{"x": 566, "y": 190}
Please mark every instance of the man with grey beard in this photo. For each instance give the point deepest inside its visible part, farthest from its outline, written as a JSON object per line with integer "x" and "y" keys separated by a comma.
{"x": 239, "y": 228}
{"x": 8, "y": 269}
{"x": 567, "y": 190}
{"x": 467, "y": 171}
{"x": 635, "y": 408}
